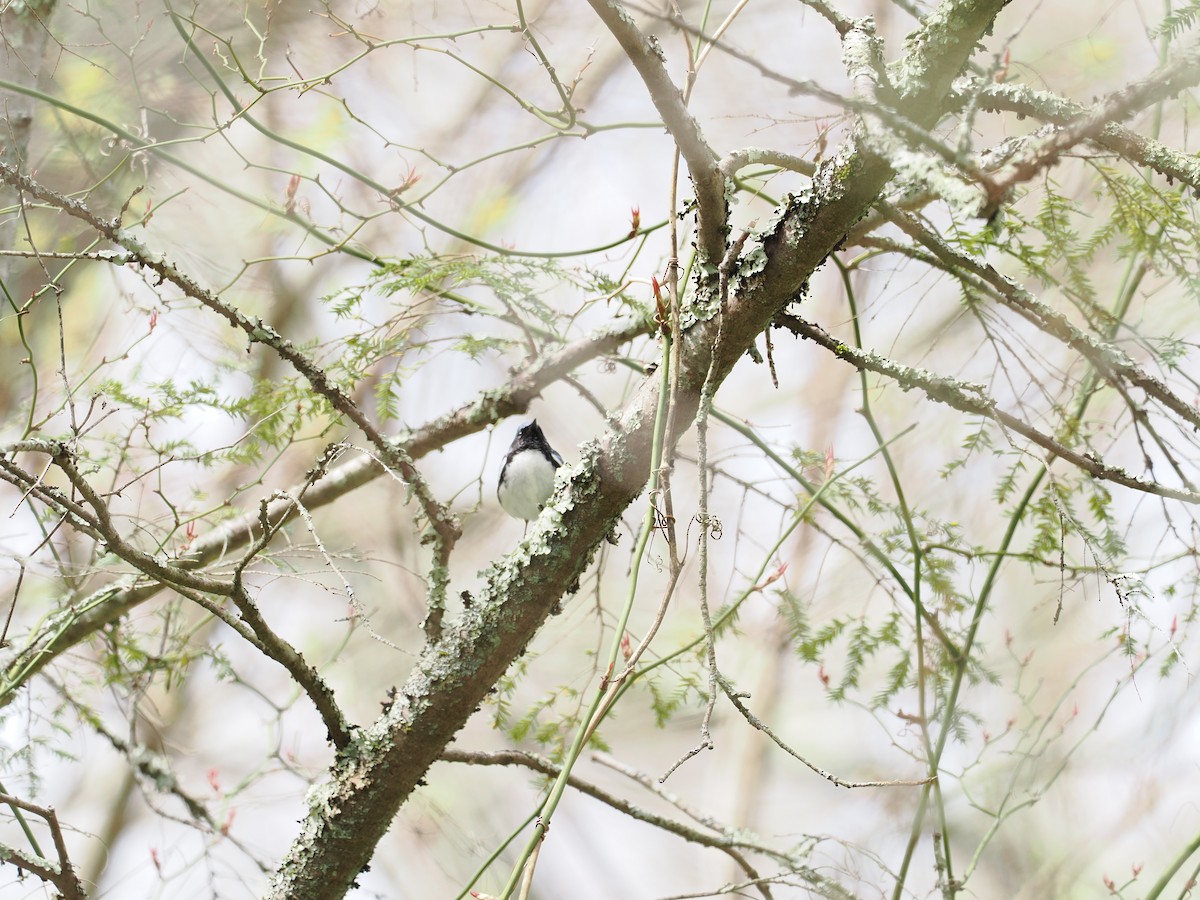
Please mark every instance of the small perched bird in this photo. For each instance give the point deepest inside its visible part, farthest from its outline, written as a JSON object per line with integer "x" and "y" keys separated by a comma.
{"x": 527, "y": 478}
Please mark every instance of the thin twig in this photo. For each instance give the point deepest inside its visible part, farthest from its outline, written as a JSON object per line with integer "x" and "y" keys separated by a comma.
{"x": 972, "y": 398}
{"x": 61, "y": 874}
{"x": 736, "y": 699}
{"x": 647, "y": 57}
{"x": 729, "y": 842}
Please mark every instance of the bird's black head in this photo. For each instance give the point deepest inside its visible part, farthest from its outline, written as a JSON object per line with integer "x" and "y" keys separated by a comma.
{"x": 530, "y": 437}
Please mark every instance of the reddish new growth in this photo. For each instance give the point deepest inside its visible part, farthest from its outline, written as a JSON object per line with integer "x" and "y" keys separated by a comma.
{"x": 289, "y": 196}
{"x": 662, "y": 314}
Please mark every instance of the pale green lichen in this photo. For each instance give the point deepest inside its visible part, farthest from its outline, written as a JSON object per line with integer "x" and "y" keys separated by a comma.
{"x": 914, "y": 168}
{"x": 940, "y": 33}
{"x": 752, "y": 261}
{"x": 780, "y": 213}
{"x": 862, "y": 50}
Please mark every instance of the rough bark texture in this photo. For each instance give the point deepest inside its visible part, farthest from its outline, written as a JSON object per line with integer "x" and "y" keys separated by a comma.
{"x": 370, "y": 781}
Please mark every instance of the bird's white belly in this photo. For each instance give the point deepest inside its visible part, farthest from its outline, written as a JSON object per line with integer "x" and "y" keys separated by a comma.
{"x": 528, "y": 483}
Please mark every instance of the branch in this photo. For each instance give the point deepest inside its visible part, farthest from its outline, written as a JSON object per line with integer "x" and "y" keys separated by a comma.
{"x": 253, "y": 629}
{"x": 94, "y": 518}
{"x": 971, "y": 398}
{"x": 1048, "y": 107}
{"x": 727, "y": 841}
{"x": 306, "y": 677}
{"x": 736, "y": 699}
{"x": 188, "y": 583}
{"x": 158, "y": 776}
{"x": 712, "y": 209}
{"x": 1180, "y": 74}
{"x": 749, "y": 156}
{"x": 1110, "y": 362}
{"x": 61, "y": 874}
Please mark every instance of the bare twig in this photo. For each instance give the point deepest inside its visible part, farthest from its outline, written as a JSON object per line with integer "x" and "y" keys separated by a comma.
{"x": 61, "y": 874}
{"x": 647, "y": 57}
{"x": 655, "y": 786}
{"x": 727, "y": 841}
{"x": 724, "y": 270}
{"x": 93, "y": 518}
{"x": 736, "y": 699}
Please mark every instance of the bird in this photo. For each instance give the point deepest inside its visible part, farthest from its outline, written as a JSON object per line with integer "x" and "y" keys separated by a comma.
{"x": 527, "y": 476}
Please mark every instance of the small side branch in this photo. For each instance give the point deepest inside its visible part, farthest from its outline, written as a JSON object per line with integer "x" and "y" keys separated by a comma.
{"x": 971, "y": 398}
{"x": 305, "y": 676}
{"x": 1048, "y": 107}
{"x": 725, "y": 841}
{"x": 647, "y": 57}
{"x": 92, "y": 517}
{"x": 60, "y": 874}
{"x": 736, "y": 699}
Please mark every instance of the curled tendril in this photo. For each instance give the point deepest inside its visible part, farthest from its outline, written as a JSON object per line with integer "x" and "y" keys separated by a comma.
{"x": 715, "y": 530}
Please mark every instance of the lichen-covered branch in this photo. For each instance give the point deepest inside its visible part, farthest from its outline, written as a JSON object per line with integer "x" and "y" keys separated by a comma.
{"x": 1049, "y": 107}
{"x": 971, "y": 398}
{"x": 1182, "y": 73}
